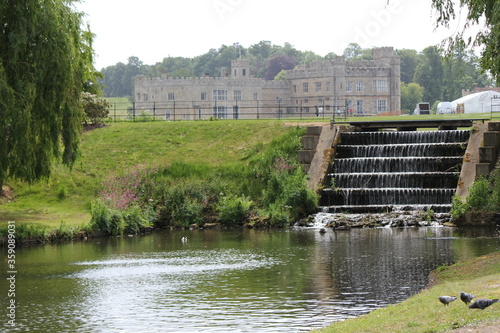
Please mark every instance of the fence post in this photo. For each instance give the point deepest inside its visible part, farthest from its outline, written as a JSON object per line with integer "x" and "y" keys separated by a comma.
{"x": 279, "y": 108}
{"x": 174, "y": 110}
{"x": 133, "y": 115}
{"x": 154, "y": 111}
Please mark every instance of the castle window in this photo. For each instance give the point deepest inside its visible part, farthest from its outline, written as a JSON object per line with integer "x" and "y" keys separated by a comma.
{"x": 171, "y": 96}
{"x": 348, "y": 86}
{"x": 203, "y": 96}
{"x": 381, "y": 105}
{"x": 244, "y": 72}
{"x": 237, "y": 95}
{"x": 220, "y": 112}
{"x": 220, "y": 95}
{"x": 359, "y": 106}
{"x": 359, "y": 86}
{"x": 318, "y": 86}
{"x": 328, "y": 86}
{"x": 305, "y": 87}
{"x": 380, "y": 85}
{"x": 145, "y": 97}
{"x": 294, "y": 88}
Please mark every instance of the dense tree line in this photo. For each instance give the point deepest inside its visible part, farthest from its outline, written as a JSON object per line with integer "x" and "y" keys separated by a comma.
{"x": 430, "y": 75}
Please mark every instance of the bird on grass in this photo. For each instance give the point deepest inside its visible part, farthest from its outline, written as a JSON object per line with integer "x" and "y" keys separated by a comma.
{"x": 446, "y": 299}
{"x": 482, "y": 303}
{"x": 466, "y": 297}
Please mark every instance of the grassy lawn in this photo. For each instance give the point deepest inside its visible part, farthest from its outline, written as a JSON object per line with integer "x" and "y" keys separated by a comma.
{"x": 120, "y": 147}
{"x": 424, "y": 313}
{"x": 119, "y": 106}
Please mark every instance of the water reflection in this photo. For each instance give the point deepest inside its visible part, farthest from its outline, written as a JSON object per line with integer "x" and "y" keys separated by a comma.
{"x": 229, "y": 281}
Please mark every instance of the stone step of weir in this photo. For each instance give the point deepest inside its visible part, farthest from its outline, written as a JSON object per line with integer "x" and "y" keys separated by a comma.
{"x": 392, "y": 196}
{"x": 402, "y": 150}
{"x": 365, "y": 209}
{"x": 398, "y": 164}
{"x": 377, "y": 138}
{"x": 395, "y": 179}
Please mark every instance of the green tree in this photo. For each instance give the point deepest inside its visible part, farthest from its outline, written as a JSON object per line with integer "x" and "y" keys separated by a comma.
{"x": 429, "y": 74}
{"x": 45, "y": 63}
{"x": 119, "y": 79}
{"x": 461, "y": 71}
{"x": 411, "y": 94}
{"x": 487, "y": 39}
{"x": 409, "y": 62}
{"x": 281, "y": 76}
{"x": 355, "y": 52}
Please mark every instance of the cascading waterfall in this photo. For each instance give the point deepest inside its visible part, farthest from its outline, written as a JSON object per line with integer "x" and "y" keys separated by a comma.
{"x": 394, "y": 170}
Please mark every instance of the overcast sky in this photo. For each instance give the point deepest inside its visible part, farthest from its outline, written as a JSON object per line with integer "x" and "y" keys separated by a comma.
{"x": 155, "y": 29}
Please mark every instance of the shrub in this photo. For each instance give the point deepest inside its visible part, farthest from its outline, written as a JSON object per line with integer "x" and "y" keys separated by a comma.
{"x": 478, "y": 194}
{"x": 188, "y": 213}
{"x": 232, "y": 210}
{"x": 96, "y": 108}
{"x": 278, "y": 215}
{"x": 458, "y": 207}
{"x": 484, "y": 195}
{"x": 106, "y": 220}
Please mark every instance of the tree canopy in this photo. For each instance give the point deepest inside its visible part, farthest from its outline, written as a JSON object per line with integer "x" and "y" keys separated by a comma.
{"x": 45, "y": 64}
{"x": 484, "y": 13}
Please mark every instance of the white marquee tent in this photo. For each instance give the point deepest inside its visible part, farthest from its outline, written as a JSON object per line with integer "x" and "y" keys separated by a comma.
{"x": 479, "y": 102}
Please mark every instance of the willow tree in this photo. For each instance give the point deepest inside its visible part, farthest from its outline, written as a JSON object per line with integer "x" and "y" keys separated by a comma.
{"x": 482, "y": 13}
{"x": 45, "y": 64}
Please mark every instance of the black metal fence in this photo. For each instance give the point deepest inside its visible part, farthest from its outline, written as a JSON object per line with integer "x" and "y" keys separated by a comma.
{"x": 336, "y": 110}
{"x": 206, "y": 110}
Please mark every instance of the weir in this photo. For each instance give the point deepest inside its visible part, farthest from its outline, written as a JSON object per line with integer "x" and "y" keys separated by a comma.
{"x": 394, "y": 170}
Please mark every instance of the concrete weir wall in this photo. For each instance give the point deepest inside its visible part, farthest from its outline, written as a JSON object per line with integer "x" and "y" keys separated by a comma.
{"x": 315, "y": 155}
{"x": 481, "y": 155}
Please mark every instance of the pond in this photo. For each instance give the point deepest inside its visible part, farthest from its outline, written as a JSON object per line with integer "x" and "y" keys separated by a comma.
{"x": 227, "y": 280}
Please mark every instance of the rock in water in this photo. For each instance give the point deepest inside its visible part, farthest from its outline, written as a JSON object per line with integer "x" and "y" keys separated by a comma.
{"x": 466, "y": 297}
{"x": 446, "y": 299}
{"x": 482, "y": 303}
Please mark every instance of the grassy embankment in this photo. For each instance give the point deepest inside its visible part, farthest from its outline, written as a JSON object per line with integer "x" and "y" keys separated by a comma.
{"x": 424, "y": 313}
{"x": 66, "y": 196}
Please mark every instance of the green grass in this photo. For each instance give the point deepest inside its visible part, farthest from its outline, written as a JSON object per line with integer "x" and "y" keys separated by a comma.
{"x": 118, "y": 148}
{"x": 424, "y": 313}
{"x": 119, "y": 106}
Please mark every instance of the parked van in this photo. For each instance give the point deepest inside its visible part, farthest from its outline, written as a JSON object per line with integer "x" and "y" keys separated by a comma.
{"x": 423, "y": 108}
{"x": 444, "y": 108}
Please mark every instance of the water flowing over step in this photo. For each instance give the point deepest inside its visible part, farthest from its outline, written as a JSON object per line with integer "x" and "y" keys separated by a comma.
{"x": 386, "y": 171}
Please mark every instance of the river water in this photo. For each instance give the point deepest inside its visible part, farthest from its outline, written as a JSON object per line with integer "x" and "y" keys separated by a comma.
{"x": 227, "y": 281}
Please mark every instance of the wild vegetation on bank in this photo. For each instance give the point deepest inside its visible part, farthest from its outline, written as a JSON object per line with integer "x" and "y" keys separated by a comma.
{"x": 133, "y": 175}
{"x": 424, "y": 313}
{"x": 484, "y": 196}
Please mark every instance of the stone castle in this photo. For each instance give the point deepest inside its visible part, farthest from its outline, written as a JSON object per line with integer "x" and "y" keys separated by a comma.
{"x": 365, "y": 87}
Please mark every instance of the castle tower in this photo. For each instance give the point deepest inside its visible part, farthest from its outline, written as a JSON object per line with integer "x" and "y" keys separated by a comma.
{"x": 240, "y": 68}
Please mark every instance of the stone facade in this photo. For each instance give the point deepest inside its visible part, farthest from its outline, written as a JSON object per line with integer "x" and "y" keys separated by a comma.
{"x": 365, "y": 87}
